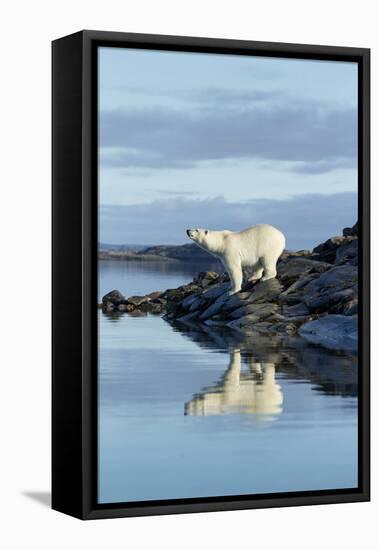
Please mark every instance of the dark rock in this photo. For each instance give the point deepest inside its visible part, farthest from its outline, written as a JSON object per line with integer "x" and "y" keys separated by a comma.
{"x": 350, "y": 307}
{"x": 198, "y": 303}
{"x": 216, "y": 291}
{"x": 243, "y": 321}
{"x": 137, "y": 300}
{"x": 351, "y": 231}
{"x": 212, "y": 310}
{"x": 154, "y": 295}
{"x": 114, "y": 297}
{"x": 337, "y": 285}
{"x": 209, "y": 276}
{"x": 126, "y": 307}
{"x": 285, "y": 328}
{"x": 333, "y": 331}
{"x": 289, "y": 254}
{"x": 151, "y": 307}
{"x": 261, "y": 311}
{"x": 173, "y": 307}
{"x": 265, "y": 291}
{"x": 224, "y": 278}
{"x": 174, "y": 295}
{"x": 296, "y": 310}
{"x": 348, "y": 253}
{"x": 189, "y": 300}
{"x": 292, "y": 269}
{"x": 186, "y": 318}
{"x": 236, "y": 300}
{"x": 290, "y": 299}
{"x": 298, "y": 285}
{"x": 327, "y": 251}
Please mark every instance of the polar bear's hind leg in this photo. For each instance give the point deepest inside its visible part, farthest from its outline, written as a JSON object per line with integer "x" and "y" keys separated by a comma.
{"x": 256, "y": 275}
{"x": 269, "y": 268}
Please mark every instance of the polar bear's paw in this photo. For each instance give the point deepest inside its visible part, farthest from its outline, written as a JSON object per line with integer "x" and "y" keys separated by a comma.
{"x": 233, "y": 291}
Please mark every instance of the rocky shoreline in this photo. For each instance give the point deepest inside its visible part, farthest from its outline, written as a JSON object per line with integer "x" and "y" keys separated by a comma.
{"x": 315, "y": 295}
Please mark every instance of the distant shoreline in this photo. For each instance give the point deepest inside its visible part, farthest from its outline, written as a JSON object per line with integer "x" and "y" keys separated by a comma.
{"x": 134, "y": 257}
{"x": 159, "y": 253}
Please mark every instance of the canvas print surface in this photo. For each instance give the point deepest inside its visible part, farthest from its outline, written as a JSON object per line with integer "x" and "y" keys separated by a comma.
{"x": 227, "y": 275}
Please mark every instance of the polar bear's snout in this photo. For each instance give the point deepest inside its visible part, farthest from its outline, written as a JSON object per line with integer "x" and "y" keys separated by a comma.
{"x": 197, "y": 234}
{"x": 194, "y": 233}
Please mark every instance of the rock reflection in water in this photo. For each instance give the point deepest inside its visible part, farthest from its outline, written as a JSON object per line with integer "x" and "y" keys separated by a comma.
{"x": 257, "y": 363}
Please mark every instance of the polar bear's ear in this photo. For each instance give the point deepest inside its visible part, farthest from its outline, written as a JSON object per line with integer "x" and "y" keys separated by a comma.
{"x": 206, "y": 231}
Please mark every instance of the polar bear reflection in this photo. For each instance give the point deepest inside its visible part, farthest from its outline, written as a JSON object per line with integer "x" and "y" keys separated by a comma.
{"x": 254, "y": 393}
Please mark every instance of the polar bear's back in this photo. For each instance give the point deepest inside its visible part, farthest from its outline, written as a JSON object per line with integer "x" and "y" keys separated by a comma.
{"x": 262, "y": 240}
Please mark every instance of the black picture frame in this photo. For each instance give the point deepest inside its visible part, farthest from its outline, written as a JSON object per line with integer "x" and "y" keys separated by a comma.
{"x": 74, "y": 272}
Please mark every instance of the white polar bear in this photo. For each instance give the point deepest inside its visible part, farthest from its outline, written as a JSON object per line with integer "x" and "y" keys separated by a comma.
{"x": 258, "y": 247}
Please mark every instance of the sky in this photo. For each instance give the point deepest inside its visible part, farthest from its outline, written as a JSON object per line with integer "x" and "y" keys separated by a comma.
{"x": 224, "y": 142}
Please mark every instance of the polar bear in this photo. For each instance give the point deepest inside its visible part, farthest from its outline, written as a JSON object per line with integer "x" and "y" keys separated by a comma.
{"x": 257, "y": 247}
{"x": 237, "y": 392}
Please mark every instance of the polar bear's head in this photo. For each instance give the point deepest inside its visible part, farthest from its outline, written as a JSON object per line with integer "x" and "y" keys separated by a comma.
{"x": 211, "y": 241}
{"x": 198, "y": 235}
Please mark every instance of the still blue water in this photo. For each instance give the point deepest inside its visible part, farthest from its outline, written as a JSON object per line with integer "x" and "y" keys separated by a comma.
{"x": 187, "y": 412}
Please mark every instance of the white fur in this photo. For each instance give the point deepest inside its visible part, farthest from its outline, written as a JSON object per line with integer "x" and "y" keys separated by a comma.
{"x": 257, "y": 247}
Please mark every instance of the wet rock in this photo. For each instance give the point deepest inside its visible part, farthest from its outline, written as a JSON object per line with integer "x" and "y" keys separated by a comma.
{"x": 212, "y": 310}
{"x": 173, "y": 307}
{"x": 188, "y": 317}
{"x": 298, "y": 310}
{"x": 333, "y": 332}
{"x": 261, "y": 311}
{"x": 114, "y": 297}
{"x": 285, "y": 328}
{"x": 243, "y": 321}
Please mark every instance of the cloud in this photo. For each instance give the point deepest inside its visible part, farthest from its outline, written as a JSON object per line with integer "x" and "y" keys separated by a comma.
{"x": 228, "y": 125}
{"x": 306, "y": 220}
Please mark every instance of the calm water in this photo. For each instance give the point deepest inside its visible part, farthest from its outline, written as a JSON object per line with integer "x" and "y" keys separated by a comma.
{"x": 185, "y": 412}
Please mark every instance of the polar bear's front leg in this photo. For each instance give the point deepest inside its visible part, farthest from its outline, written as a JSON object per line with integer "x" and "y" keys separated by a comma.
{"x": 236, "y": 276}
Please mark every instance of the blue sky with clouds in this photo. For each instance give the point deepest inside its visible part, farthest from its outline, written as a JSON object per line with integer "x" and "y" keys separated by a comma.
{"x": 224, "y": 142}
